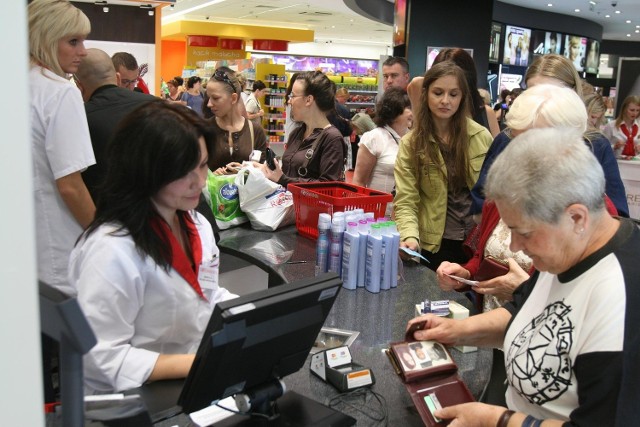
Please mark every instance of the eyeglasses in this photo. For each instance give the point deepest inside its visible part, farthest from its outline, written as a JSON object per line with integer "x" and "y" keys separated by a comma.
{"x": 291, "y": 96}
{"x": 222, "y": 76}
{"x": 127, "y": 82}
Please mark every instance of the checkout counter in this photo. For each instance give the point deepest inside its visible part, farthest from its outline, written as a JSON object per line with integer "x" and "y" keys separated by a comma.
{"x": 379, "y": 319}
{"x": 630, "y": 174}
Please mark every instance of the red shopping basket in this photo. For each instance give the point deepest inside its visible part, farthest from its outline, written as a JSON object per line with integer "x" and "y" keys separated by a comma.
{"x": 313, "y": 198}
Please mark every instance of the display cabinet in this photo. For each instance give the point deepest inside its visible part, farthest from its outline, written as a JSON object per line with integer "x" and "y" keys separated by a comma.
{"x": 274, "y": 102}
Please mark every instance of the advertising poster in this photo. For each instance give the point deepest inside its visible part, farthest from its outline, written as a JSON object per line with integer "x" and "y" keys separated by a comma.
{"x": 593, "y": 57}
{"x": 537, "y": 43}
{"x": 575, "y": 48}
{"x": 552, "y": 42}
{"x": 516, "y": 46}
{"x": 399, "y": 22}
{"x": 494, "y": 42}
{"x": 432, "y": 52}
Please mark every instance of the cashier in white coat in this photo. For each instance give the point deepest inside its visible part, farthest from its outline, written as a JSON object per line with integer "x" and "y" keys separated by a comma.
{"x": 146, "y": 269}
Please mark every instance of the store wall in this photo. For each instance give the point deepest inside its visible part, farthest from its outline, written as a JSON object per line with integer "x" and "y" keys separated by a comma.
{"x": 173, "y": 59}
{"x": 21, "y": 398}
{"x": 442, "y": 24}
{"x": 121, "y": 24}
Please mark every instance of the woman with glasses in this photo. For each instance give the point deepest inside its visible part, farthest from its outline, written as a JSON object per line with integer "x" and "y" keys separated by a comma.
{"x": 315, "y": 150}
{"x": 61, "y": 145}
{"x": 236, "y": 137}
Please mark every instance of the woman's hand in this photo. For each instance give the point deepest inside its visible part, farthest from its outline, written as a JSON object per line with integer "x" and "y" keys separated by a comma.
{"x": 435, "y": 328}
{"x": 445, "y": 282}
{"x": 619, "y": 144}
{"x": 410, "y": 243}
{"x": 502, "y": 287}
{"x": 473, "y": 414}
{"x": 272, "y": 175}
{"x": 229, "y": 169}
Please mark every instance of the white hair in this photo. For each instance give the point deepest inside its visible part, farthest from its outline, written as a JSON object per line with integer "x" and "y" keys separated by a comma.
{"x": 543, "y": 171}
{"x": 548, "y": 106}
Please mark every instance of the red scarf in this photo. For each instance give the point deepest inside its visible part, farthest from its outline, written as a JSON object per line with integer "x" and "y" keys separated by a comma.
{"x": 629, "y": 147}
{"x": 180, "y": 261}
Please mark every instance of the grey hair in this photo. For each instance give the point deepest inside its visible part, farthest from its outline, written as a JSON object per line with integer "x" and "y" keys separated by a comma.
{"x": 548, "y": 105}
{"x": 543, "y": 171}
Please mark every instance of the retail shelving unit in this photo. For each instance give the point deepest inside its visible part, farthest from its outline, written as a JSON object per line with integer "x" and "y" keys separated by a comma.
{"x": 274, "y": 103}
{"x": 362, "y": 97}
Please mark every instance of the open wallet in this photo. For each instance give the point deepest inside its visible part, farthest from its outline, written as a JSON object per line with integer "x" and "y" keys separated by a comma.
{"x": 431, "y": 377}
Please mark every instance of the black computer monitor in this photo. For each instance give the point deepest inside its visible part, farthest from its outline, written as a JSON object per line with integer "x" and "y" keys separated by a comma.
{"x": 257, "y": 339}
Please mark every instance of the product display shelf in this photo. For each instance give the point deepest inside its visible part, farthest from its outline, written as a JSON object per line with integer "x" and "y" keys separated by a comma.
{"x": 361, "y": 96}
{"x": 274, "y": 102}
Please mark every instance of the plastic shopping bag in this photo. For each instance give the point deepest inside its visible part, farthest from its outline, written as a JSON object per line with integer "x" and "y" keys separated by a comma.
{"x": 267, "y": 204}
{"x": 224, "y": 200}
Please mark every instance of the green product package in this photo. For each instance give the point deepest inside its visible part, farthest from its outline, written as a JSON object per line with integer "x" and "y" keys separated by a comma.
{"x": 224, "y": 200}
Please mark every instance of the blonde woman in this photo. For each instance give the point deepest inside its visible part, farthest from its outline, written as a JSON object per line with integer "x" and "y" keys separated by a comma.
{"x": 61, "y": 145}
{"x": 623, "y": 132}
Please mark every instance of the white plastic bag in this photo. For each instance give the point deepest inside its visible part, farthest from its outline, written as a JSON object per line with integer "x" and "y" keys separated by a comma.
{"x": 267, "y": 204}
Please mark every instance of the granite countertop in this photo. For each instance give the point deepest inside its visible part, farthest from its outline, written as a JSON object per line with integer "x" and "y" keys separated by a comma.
{"x": 379, "y": 319}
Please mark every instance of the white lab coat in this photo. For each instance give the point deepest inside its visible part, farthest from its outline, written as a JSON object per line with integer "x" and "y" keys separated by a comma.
{"x": 136, "y": 309}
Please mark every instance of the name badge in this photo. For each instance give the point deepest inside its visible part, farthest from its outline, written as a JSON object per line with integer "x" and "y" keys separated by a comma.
{"x": 208, "y": 276}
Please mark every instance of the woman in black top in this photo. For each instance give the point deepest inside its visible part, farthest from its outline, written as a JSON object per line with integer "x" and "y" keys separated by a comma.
{"x": 315, "y": 150}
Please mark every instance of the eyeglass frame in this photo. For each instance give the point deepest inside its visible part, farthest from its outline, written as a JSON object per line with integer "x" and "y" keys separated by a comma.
{"x": 127, "y": 82}
{"x": 291, "y": 96}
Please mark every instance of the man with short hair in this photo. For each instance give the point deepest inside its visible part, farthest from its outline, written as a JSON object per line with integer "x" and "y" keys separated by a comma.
{"x": 126, "y": 68}
{"x": 395, "y": 73}
{"x": 106, "y": 105}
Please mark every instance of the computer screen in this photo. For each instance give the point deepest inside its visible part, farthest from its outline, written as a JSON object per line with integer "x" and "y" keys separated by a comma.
{"x": 257, "y": 338}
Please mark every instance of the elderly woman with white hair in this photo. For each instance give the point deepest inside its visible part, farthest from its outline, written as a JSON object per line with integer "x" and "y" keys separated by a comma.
{"x": 569, "y": 334}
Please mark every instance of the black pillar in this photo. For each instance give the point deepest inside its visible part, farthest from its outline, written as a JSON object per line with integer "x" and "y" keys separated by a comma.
{"x": 447, "y": 23}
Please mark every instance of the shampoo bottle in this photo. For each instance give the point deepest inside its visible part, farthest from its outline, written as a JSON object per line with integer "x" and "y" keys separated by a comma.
{"x": 363, "y": 230}
{"x": 322, "y": 244}
{"x": 387, "y": 256}
{"x": 335, "y": 245}
{"x": 374, "y": 252}
{"x": 350, "y": 256}
{"x": 395, "y": 251}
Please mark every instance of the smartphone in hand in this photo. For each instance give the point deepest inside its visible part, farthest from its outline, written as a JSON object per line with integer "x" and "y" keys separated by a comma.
{"x": 271, "y": 159}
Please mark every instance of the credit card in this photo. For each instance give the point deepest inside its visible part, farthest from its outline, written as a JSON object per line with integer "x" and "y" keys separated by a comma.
{"x": 465, "y": 281}
{"x": 433, "y": 404}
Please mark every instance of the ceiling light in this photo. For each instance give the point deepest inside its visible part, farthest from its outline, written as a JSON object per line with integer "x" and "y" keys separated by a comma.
{"x": 151, "y": 13}
{"x": 576, "y": 10}
{"x": 607, "y": 16}
{"x": 637, "y": 31}
{"x": 593, "y": 3}
{"x": 105, "y": 9}
{"x": 628, "y": 35}
{"x": 628, "y": 21}
{"x": 176, "y": 15}
{"x": 550, "y": 4}
{"x": 617, "y": 11}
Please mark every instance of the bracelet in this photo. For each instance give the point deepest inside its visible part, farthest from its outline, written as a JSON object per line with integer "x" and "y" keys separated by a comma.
{"x": 503, "y": 421}
{"x": 530, "y": 421}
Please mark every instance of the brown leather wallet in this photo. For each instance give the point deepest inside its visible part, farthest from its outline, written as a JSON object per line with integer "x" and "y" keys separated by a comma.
{"x": 490, "y": 268}
{"x": 427, "y": 369}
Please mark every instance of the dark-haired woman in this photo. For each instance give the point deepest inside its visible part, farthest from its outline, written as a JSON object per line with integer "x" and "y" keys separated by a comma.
{"x": 174, "y": 95}
{"x": 479, "y": 111}
{"x": 437, "y": 165}
{"x": 315, "y": 150}
{"x": 146, "y": 269}
{"x": 193, "y": 97}
{"x": 235, "y": 136}
{"x": 379, "y": 147}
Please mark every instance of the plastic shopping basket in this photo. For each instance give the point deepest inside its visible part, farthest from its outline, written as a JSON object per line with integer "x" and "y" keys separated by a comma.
{"x": 313, "y": 198}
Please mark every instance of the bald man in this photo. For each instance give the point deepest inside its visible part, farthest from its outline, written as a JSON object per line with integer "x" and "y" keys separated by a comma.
{"x": 106, "y": 105}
